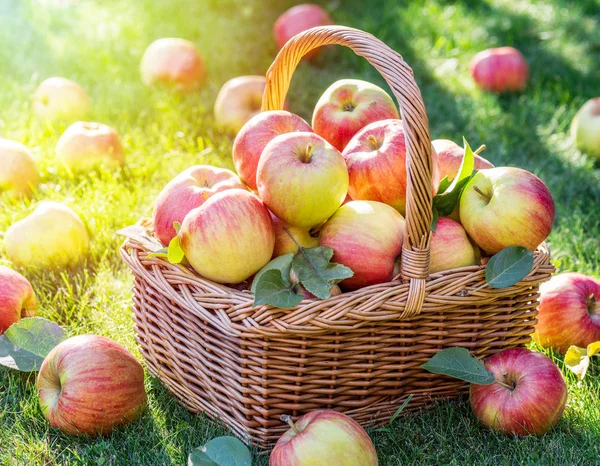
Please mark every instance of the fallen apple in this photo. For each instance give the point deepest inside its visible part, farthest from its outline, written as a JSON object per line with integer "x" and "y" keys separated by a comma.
{"x": 61, "y": 99}
{"x": 502, "y": 69}
{"x": 585, "y": 128}
{"x": 451, "y": 248}
{"x": 238, "y": 101}
{"x": 18, "y": 171}
{"x": 17, "y": 299}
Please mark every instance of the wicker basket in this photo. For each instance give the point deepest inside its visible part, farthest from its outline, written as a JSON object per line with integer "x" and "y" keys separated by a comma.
{"x": 359, "y": 352}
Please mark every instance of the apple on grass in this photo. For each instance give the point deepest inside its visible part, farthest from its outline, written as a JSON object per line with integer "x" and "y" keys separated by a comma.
{"x": 229, "y": 237}
{"x": 173, "y": 62}
{"x": 585, "y": 128}
{"x": 60, "y": 98}
{"x": 367, "y": 237}
{"x": 450, "y": 155}
{"x": 324, "y": 438}
{"x": 18, "y": 171}
{"x": 506, "y": 206}
{"x": 502, "y": 69}
{"x": 284, "y": 244}
{"x": 347, "y": 106}
{"x": 238, "y": 101}
{"x": 17, "y": 299}
{"x": 53, "y": 236}
{"x": 302, "y": 179}
{"x": 529, "y": 396}
{"x": 187, "y": 191}
{"x": 451, "y": 248}
{"x": 89, "y": 384}
{"x": 256, "y": 134}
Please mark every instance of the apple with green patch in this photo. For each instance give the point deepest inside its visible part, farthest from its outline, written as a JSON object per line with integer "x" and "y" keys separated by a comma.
{"x": 284, "y": 244}
{"x": 585, "y": 128}
{"x": 17, "y": 299}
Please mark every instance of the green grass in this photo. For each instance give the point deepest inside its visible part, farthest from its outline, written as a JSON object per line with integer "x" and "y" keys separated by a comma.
{"x": 100, "y": 43}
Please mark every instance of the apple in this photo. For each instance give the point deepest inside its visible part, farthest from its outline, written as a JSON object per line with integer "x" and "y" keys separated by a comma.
{"x": 53, "y": 236}
{"x": 256, "y": 134}
{"x": 347, "y": 106}
{"x": 502, "y": 69}
{"x": 89, "y": 384}
{"x": 18, "y": 171}
{"x": 302, "y": 179}
{"x": 367, "y": 237}
{"x": 376, "y": 160}
{"x": 284, "y": 244}
{"x": 173, "y": 62}
{"x": 187, "y": 191}
{"x": 16, "y": 298}
{"x": 568, "y": 312}
{"x": 61, "y": 99}
{"x": 451, "y": 248}
{"x": 506, "y": 206}
{"x": 529, "y": 396}
{"x": 229, "y": 237}
{"x": 324, "y": 438}
{"x": 450, "y": 155}
{"x": 585, "y": 128}
{"x": 87, "y": 145}
{"x": 298, "y": 19}
{"x": 238, "y": 101}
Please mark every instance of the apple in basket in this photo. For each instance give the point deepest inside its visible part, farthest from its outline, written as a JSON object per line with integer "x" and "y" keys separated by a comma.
{"x": 16, "y": 298}
{"x": 284, "y": 244}
{"x": 18, "y": 171}
{"x": 585, "y": 128}
{"x": 502, "y": 69}
{"x": 239, "y": 100}
{"x": 347, "y": 106}
{"x": 187, "y": 191}
{"x": 324, "y": 438}
{"x": 450, "y": 155}
{"x": 506, "y": 206}
{"x": 60, "y": 98}
{"x": 451, "y": 248}
{"x": 569, "y": 313}
{"x": 530, "y": 398}
{"x": 89, "y": 384}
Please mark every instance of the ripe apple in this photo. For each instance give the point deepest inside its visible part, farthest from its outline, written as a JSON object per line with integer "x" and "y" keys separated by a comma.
{"x": 530, "y": 397}
{"x": 298, "y": 19}
{"x": 16, "y": 298}
{"x": 367, "y": 237}
{"x": 284, "y": 244}
{"x": 18, "y": 171}
{"x": 187, "y": 191}
{"x": 256, "y": 134}
{"x": 60, "y": 98}
{"x": 450, "y": 155}
{"x": 568, "y": 312}
{"x": 238, "y": 101}
{"x": 585, "y": 128}
{"x": 229, "y": 237}
{"x": 173, "y": 62}
{"x": 506, "y": 206}
{"x": 451, "y": 248}
{"x": 89, "y": 385}
{"x": 53, "y": 236}
{"x": 376, "y": 160}
{"x": 502, "y": 69}
{"x": 324, "y": 438}
{"x": 347, "y": 106}
{"x": 302, "y": 179}
{"x": 87, "y": 145}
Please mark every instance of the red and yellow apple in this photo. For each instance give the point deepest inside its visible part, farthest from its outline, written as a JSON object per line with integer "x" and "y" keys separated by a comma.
{"x": 238, "y": 101}
{"x": 451, "y": 248}
{"x": 60, "y": 98}
{"x": 89, "y": 384}
{"x": 18, "y": 171}
{"x": 585, "y": 128}
{"x": 17, "y": 299}
{"x": 502, "y": 69}
{"x": 284, "y": 244}
{"x": 450, "y": 155}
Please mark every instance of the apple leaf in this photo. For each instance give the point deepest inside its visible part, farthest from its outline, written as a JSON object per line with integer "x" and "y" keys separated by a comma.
{"x": 221, "y": 451}
{"x": 457, "y": 362}
{"x": 508, "y": 267}
{"x": 142, "y": 235}
{"x": 435, "y": 216}
{"x": 315, "y": 271}
{"x": 175, "y": 254}
{"x": 163, "y": 253}
{"x": 444, "y": 184}
{"x": 27, "y": 342}
{"x": 578, "y": 359}
{"x": 273, "y": 290}
{"x": 281, "y": 263}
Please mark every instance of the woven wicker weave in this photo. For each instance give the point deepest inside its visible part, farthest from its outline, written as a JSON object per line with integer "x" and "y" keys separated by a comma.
{"x": 358, "y": 352}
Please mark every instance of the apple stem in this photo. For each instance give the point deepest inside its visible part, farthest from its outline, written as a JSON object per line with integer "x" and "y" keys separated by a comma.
{"x": 504, "y": 384}
{"x": 592, "y": 304}
{"x": 289, "y": 233}
{"x": 373, "y": 141}
{"x": 287, "y": 418}
{"x": 481, "y": 148}
{"x": 309, "y": 148}
{"x": 482, "y": 194}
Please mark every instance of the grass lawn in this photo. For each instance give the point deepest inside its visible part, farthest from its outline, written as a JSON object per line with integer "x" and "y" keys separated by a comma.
{"x": 100, "y": 43}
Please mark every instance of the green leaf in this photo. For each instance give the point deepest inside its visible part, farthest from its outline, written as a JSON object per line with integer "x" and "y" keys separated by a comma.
{"x": 163, "y": 253}
{"x": 508, "y": 267}
{"x": 459, "y": 363}
{"x": 316, "y": 273}
{"x": 400, "y": 409}
{"x": 443, "y": 185}
{"x": 27, "y": 342}
{"x": 177, "y": 227}
{"x": 434, "y": 218}
{"x": 175, "y": 254}
{"x": 281, "y": 263}
{"x": 142, "y": 235}
{"x": 578, "y": 359}
{"x": 271, "y": 289}
{"x": 446, "y": 203}
{"x": 221, "y": 451}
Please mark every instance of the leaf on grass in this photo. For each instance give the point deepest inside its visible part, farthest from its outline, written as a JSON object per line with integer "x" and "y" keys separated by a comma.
{"x": 281, "y": 263}
{"x": 315, "y": 271}
{"x": 508, "y": 267}
{"x": 578, "y": 359}
{"x": 459, "y": 363}
{"x": 142, "y": 235}
{"x": 400, "y": 409}
{"x": 221, "y": 451}
{"x": 175, "y": 254}
{"x": 271, "y": 289}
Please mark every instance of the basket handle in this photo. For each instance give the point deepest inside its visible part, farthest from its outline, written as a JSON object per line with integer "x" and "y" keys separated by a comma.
{"x": 399, "y": 76}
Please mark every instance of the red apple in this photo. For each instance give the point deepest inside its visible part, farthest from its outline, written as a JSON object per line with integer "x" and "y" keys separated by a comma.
{"x": 89, "y": 385}
{"x": 298, "y": 19}
{"x": 238, "y": 101}
{"x": 284, "y": 244}
{"x": 16, "y": 298}
{"x": 530, "y": 397}
{"x": 302, "y": 179}
{"x": 450, "y": 155}
{"x": 568, "y": 312}
{"x": 347, "y": 106}
{"x": 324, "y": 438}
{"x": 173, "y": 62}
{"x": 451, "y": 248}
{"x": 18, "y": 171}
{"x": 367, "y": 237}
{"x": 376, "y": 160}
{"x": 502, "y": 69}
{"x": 229, "y": 237}
{"x": 60, "y": 98}
{"x": 256, "y": 134}
{"x": 506, "y": 206}
{"x": 585, "y": 128}
{"x": 187, "y": 191}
